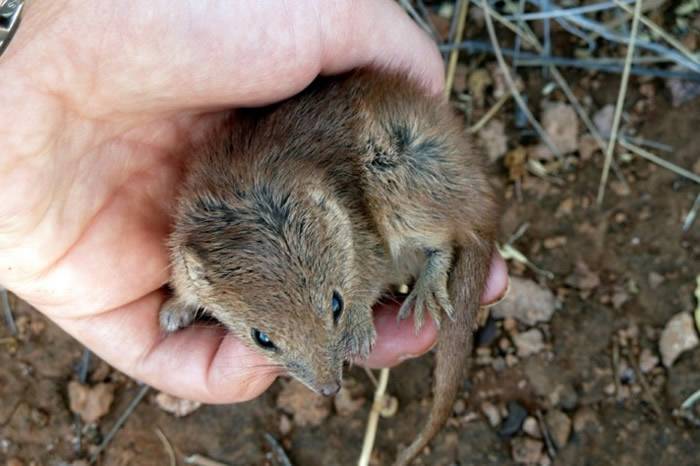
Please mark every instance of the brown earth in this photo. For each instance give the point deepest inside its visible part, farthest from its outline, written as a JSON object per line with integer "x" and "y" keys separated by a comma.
{"x": 635, "y": 271}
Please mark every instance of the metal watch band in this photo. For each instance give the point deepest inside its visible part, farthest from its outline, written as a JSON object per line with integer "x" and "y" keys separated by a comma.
{"x": 10, "y": 16}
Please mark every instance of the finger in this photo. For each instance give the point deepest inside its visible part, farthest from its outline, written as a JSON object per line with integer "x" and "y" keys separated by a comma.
{"x": 198, "y": 363}
{"x": 397, "y": 341}
{"x": 497, "y": 283}
{"x": 204, "y": 54}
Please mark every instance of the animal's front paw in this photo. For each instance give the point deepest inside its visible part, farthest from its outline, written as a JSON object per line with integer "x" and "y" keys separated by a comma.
{"x": 360, "y": 336}
{"x": 429, "y": 293}
{"x": 175, "y": 315}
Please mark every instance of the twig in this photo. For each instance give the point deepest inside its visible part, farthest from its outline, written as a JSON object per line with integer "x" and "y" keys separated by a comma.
{"x": 690, "y": 218}
{"x": 277, "y": 450}
{"x": 511, "y": 84}
{"x": 373, "y": 420}
{"x": 663, "y": 34}
{"x": 167, "y": 446}
{"x": 646, "y": 142}
{"x": 605, "y": 65}
{"x": 490, "y": 114}
{"x": 417, "y": 18}
{"x": 615, "y": 358}
{"x": 568, "y": 92}
{"x": 551, "y": 449}
{"x": 83, "y": 369}
{"x": 645, "y": 154}
{"x": 645, "y": 386}
{"x": 454, "y": 53}
{"x": 507, "y": 251}
{"x": 199, "y": 460}
{"x": 620, "y": 102}
{"x": 426, "y": 16}
{"x": 120, "y": 422}
{"x": 7, "y": 311}
{"x": 371, "y": 376}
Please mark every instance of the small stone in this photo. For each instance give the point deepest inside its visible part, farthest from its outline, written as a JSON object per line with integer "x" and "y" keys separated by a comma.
{"x": 678, "y": 336}
{"x": 510, "y": 325}
{"x": 609, "y": 389}
{"x": 479, "y": 80}
{"x": 554, "y": 242}
{"x": 559, "y": 426}
{"x": 349, "y": 399}
{"x": 583, "y": 277}
{"x": 504, "y": 344}
{"x": 603, "y": 120}
{"x": 526, "y": 450}
{"x": 101, "y": 372}
{"x": 527, "y": 302}
{"x": 91, "y": 403}
{"x": 655, "y": 279}
{"x": 511, "y": 360}
{"x": 307, "y": 408}
{"x": 498, "y": 364}
{"x": 528, "y": 343}
{"x": 491, "y": 412}
{"x": 486, "y": 334}
{"x": 532, "y": 428}
{"x": 647, "y": 361}
{"x": 37, "y": 326}
{"x": 560, "y": 122}
{"x": 459, "y": 407}
{"x": 514, "y": 420}
{"x": 587, "y": 146}
{"x": 285, "y": 425}
{"x": 179, "y": 407}
{"x": 14, "y": 462}
{"x": 585, "y": 419}
{"x": 493, "y": 139}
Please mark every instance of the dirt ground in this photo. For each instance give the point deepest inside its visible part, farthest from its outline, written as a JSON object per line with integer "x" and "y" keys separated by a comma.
{"x": 593, "y": 385}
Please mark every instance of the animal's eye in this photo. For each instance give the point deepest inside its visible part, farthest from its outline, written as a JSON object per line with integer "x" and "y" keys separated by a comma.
{"x": 262, "y": 339}
{"x": 337, "y": 306}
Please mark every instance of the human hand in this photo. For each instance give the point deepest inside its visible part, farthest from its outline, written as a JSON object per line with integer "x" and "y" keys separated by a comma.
{"x": 97, "y": 99}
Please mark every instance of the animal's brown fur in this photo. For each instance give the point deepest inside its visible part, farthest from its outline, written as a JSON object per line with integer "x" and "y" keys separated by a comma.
{"x": 360, "y": 182}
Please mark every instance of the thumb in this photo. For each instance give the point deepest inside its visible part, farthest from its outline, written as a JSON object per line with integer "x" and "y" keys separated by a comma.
{"x": 165, "y": 55}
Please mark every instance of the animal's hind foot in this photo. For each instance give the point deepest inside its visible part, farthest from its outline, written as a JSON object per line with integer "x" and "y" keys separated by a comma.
{"x": 429, "y": 293}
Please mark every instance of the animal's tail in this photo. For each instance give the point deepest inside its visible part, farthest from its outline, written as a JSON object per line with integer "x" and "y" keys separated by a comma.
{"x": 466, "y": 282}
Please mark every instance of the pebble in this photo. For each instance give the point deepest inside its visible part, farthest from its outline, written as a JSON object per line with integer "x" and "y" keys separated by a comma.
{"x": 510, "y": 325}
{"x": 585, "y": 419}
{"x": 526, "y": 450}
{"x": 306, "y": 407}
{"x": 14, "y": 462}
{"x": 491, "y": 412}
{"x": 514, "y": 421}
{"x": 487, "y": 334}
{"x": 655, "y": 279}
{"x": 459, "y": 407}
{"x": 526, "y": 302}
{"x": 91, "y": 403}
{"x": 511, "y": 360}
{"x": 285, "y": 425}
{"x": 532, "y": 428}
{"x": 559, "y": 426}
{"x": 678, "y": 336}
{"x": 529, "y": 343}
{"x": 177, "y": 406}
{"x": 349, "y": 399}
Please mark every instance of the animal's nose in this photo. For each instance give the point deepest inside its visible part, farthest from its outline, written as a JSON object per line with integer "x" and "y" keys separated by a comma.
{"x": 330, "y": 389}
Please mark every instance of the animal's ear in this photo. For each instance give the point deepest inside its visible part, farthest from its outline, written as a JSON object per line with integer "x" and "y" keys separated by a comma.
{"x": 194, "y": 266}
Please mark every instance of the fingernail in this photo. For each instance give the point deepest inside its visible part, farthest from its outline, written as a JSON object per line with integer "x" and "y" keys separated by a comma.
{"x": 407, "y": 356}
{"x": 500, "y": 298}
